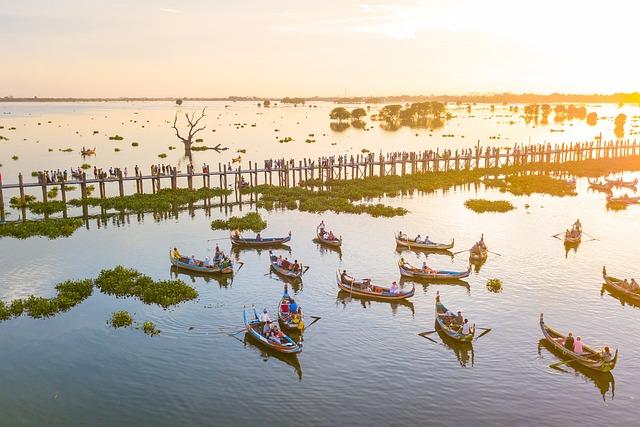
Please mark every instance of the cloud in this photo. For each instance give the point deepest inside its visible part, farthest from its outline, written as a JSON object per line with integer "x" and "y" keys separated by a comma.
{"x": 169, "y": 10}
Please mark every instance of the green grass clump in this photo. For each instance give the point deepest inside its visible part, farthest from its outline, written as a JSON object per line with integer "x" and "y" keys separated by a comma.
{"x": 525, "y": 185}
{"x": 51, "y": 228}
{"x": 121, "y": 319}
{"x": 241, "y": 150}
{"x": 85, "y": 166}
{"x": 124, "y": 282}
{"x": 14, "y": 157}
{"x": 494, "y": 285}
{"x": 16, "y": 202}
{"x": 66, "y": 150}
{"x": 483, "y": 205}
{"x": 149, "y": 328}
{"x": 164, "y": 200}
{"x": 199, "y": 148}
{"x": 134, "y": 144}
{"x": 116, "y": 138}
{"x": 251, "y": 221}
{"x": 52, "y": 193}
{"x": 617, "y": 206}
{"x": 69, "y": 294}
{"x": 53, "y": 206}
{"x": 35, "y": 173}
{"x": 162, "y": 155}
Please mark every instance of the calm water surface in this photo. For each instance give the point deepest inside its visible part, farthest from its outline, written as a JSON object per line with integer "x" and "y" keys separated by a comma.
{"x": 363, "y": 362}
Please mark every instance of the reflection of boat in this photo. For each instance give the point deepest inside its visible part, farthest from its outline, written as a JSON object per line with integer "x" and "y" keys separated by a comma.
{"x": 289, "y": 319}
{"x": 448, "y": 326}
{"x": 259, "y": 242}
{"x": 290, "y": 359}
{"x": 88, "y": 151}
{"x": 254, "y": 330}
{"x": 401, "y": 249}
{"x": 404, "y": 241}
{"x": 236, "y": 250}
{"x": 223, "y": 281}
{"x": 325, "y": 248}
{"x": 345, "y": 297}
{"x": 200, "y": 266}
{"x": 285, "y": 272}
{"x": 604, "y": 381}
{"x": 407, "y": 270}
{"x": 599, "y": 186}
{"x": 614, "y": 285}
{"x": 462, "y": 350}
{"x": 366, "y": 288}
{"x": 589, "y": 358}
{"x": 427, "y": 282}
{"x": 626, "y": 200}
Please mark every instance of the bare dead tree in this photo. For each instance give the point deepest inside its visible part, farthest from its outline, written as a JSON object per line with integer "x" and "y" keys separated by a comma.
{"x": 192, "y": 122}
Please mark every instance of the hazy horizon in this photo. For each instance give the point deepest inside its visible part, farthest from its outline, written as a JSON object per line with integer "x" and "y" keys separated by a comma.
{"x": 102, "y": 48}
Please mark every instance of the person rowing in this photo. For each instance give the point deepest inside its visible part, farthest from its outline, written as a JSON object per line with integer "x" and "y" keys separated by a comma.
{"x": 466, "y": 328}
{"x": 577, "y": 225}
{"x": 394, "y": 290}
{"x": 426, "y": 240}
{"x": 176, "y": 253}
{"x": 417, "y": 239}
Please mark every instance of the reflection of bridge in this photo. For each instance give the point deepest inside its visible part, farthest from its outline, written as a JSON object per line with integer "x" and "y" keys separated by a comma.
{"x": 288, "y": 174}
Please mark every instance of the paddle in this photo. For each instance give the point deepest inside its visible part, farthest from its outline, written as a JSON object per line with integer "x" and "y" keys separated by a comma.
{"x": 315, "y": 320}
{"x": 241, "y": 265}
{"x": 495, "y": 253}
{"x": 562, "y": 362}
{"x": 222, "y": 238}
{"x": 459, "y": 252}
{"x": 424, "y": 335}
{"x": 486, "y": 331}
{"x": 588, "y": 235}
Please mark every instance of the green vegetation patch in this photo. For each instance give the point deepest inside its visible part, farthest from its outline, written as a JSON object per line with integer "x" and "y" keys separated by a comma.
{"x": 124, "y": 282}
{"x": 163, "y": 200}
{"x": 52, "y": 228}
{"x": 121, "y": 319}
{"x": 116, "y": 138}
{"x": 494, "y": 285}
{"x": 525, "y": 185}
{"x": 149, "y": 328}
{"x": 251, "y": 221}
{"x": 483, "y": 205}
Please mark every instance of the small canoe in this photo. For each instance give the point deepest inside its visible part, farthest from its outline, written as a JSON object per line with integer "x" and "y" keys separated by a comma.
{"x": 329, "y": 242}
{"x": 624, "y": 199}
{"x": 254, "y": 330}
{"x": 285, "y": 272}
{"x": 200, "y": 267}
{"x": 621, "y": 183}
{"x": 448, "y": 326}
{"x": 604, "y": 187}
{"x": 88, "y": 152}
{"x": 615, "y": 286}
{"x": 407, "y": 270}
{"x": 365, "y": 288}
{"x": 405, "y": 242}
{"x": 573, "y": 237}
{"x": 288, "y": 319}
{"x": 478, "y": 254}
{"x": 589, "y": 358}
{"x": 261, "y": 242}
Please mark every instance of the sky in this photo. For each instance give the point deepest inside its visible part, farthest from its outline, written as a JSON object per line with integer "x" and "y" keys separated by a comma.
{"x": 277, "y": 48}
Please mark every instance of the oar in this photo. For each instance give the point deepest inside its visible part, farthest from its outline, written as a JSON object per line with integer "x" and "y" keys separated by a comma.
{"x": 222, "y": 238}
{"x": 315, "y": 320}
{"x": 556, "y": 235}
{"x": 424, "y": 335}
{"x": 241, "y": 265}
{"x": 495, "y": 253}
{"x": 306, "y": 267}
{"x": 459, "y": 252}
{"x": 562, "y": 362}
{"x": 486, "y": 331}
{"x": 588, "y": 235}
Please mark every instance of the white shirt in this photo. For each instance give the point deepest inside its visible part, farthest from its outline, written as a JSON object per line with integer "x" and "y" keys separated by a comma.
{"x": 265, "y": 318}
{"x": 466, "y": 329}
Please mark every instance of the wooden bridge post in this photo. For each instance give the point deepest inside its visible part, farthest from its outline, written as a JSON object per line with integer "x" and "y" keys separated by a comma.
{"x": 189, "y": 177}
{"x": 174, "y": 178}
{"x": 63, "y": 192}
{"x": 83, "y": 186}
{"x": 120, "y": 183}
{"x": 43, "y": 182}
{"x": 21, "y": 186}
{"x": 1, "y": 201}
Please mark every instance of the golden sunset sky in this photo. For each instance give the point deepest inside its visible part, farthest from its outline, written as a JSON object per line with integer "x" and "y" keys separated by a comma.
{"x": 111, "y": 48}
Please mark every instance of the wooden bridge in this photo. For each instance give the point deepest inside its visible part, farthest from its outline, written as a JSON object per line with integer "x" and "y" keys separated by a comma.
{"x": 291, "y": 173}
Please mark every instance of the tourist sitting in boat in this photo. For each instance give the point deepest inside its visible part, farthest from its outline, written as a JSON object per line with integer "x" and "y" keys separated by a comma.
{"x": 279, "y": 261}
{"x": 459, "y": 319}
{"x": 176, "y": 253}
{"x": 236, "y": 233}
{"x": 394, "y": 289}
{"x": 625, "y": 284}
{"x": 633, "y": 286}
{"x": 286, "y": 264}
{"x": 293, "y": 306}
{"x": 264, "y": 317}
{"x": 417, "y": 239}
{"x": 402, "y": 236}
{"x": 331, "y": 236}
{"x": 258, "y": 237}
{"x": 606, "y": 355}
{"x": 192, "y": 260}
{"x": 426, "y": 240}
{"x": 344, "y": 277}
{"x": 466, "y": 328}
{"x": 577, "y": 345}
{"x": 208, "y": 262}
{"x": 569, "y": 342}
{"x": 427, "y": 269}
{"x": 266, "y": 329}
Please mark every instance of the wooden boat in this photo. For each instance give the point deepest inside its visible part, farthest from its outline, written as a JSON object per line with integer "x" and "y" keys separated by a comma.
{"x": 289, "y": 320}
{"x": 335, "y": 243}
{"x": 604, "y": 187}
{"x": 573, "y": 237}
{"x": 615, "y": 286}
{"x": 408, "y": 270}
{"x": 285, "y": 272}
{"x": 623, "y": 200}
{"x": 199, "y": 266}
{"x": 365, "y": 288}
{"x": 254, "y": 330}
{"x": 446, "y": 325}
{"x": 590, "y": 358}
{"x": 88, "y": 152}
{"x": 261, "y": 242}
{"x": 479, "y": 252}
{"x": 619, "y": 182}
{"x": 405, "y": 242}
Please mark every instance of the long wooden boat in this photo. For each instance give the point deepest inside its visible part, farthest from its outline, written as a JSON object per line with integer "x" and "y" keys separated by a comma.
{"x": 619, "y": 182}
{"x": 336, "y": 243}
{"x": 430, "y": 246}
{"x": 445, "y": 324}
{"x": 288, "y": 319}
{"x": 572, "y": 237}
{"x": 88, "y": 152}
{"x": 604, "y": 187}
{"x": 478, "y": 254}
{"x": 624, "y": 199}
{"x": 589, "y": 358}
{"x": 254, "y": 329}
{"x": 261, "y": 242}
{"x": 199, "y": 266}
{"x": 290, "y": 274}
{"x": 615, "y": 286}
{"x": 408, "y": 270}
{"x": 365, "y": 288}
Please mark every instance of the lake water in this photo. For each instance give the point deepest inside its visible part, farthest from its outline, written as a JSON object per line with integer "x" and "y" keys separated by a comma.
{"x": 363, "y": 362}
